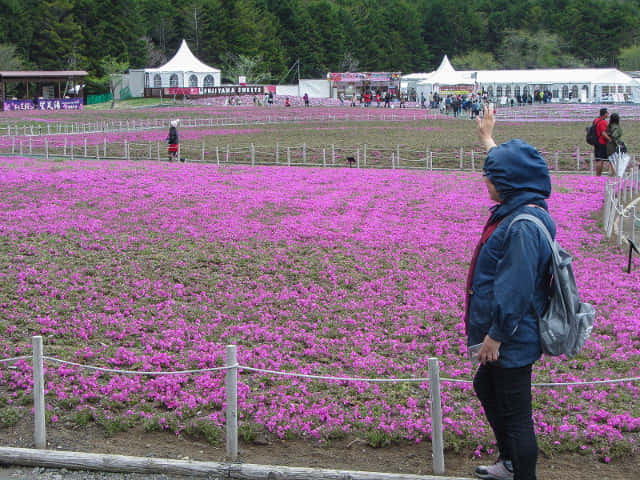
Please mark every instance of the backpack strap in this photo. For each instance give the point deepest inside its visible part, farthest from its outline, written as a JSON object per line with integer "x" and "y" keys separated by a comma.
{"x": 543, "y": 228}
{"x": 552, "y": 243}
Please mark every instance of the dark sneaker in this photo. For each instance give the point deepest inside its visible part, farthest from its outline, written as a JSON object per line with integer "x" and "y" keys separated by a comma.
{"x": 501, "y": 470}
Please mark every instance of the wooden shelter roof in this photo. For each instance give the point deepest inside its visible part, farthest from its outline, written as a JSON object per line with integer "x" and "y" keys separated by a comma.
{"x": 17, "y": 75}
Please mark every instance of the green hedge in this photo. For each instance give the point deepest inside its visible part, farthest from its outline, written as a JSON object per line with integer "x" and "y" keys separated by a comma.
{"x": 103, "y": 97}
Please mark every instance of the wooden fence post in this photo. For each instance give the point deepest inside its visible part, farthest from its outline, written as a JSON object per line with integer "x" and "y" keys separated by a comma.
{"x": 253, "y": 155}
{"x": 333, "y": 154}
{"x": 304, "y": 153}
{"x": 364, "y": 155}
{"x": 46, "y": 148}
{"x": 277, "y": 153}
{"x": 324, "y": 157}
{"x": 217, "y": 155}
{"x": 578, "y": 159}
{"x": 40, "y": 432}
{"x": 556, "y": 161}
{"x": 232, "y": 402}
{"x": 620, "y": 226}
{"x": 85, "y": 148}
{"x": 288, "y": 156}
{"x": 436, "y": 417}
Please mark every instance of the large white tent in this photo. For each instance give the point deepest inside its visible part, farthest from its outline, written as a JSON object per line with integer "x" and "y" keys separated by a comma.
{"x": 184, "y": 70}
{"x": 565, "y": 84}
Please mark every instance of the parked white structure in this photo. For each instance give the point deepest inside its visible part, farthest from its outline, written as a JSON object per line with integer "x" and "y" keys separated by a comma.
{"x": 586, "y": 85}
{"x": 184, "y": 70}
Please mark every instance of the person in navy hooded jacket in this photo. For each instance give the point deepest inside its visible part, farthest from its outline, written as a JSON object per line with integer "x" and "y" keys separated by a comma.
{"x": 508, "y": 278}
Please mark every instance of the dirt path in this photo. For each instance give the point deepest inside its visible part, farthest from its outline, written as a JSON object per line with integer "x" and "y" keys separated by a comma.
{"x": 348, "y": 454}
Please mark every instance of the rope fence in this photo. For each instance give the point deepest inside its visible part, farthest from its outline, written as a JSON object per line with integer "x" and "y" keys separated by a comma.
{"x": 232, "y": 369}
{"x": 244, "y": 117}
{"x": 113, "y": 126}
{"x": 14, "y": 359}
{"x": 332, "y": 155}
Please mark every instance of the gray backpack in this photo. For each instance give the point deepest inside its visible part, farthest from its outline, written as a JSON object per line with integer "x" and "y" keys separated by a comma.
{"x": 567, "y": 322}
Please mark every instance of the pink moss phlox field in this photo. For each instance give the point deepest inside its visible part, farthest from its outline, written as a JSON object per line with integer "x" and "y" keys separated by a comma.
{"x": 152, "y": 266}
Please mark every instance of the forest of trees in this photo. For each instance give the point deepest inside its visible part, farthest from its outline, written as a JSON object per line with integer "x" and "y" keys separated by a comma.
{"x": 265, "y": 37}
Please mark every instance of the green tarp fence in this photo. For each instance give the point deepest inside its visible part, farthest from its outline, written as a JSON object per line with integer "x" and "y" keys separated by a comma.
{"x": 103, "y": 97}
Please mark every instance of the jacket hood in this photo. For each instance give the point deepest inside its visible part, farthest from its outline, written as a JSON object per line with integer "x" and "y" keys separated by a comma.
{"x": 520, "y": 175}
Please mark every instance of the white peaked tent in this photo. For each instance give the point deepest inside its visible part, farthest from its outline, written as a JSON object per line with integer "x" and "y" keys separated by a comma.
{"x": 447, "y": 75}
{"x": 424, "y": 82}
{"x": 184, "y": 70}
{"x": 444, "y": 75}
{"x": 566, "y": 84}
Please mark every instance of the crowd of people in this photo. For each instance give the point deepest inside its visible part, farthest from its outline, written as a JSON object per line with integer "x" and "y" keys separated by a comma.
{"x": 382, "y": 99}
{"x": 458, "y": 104}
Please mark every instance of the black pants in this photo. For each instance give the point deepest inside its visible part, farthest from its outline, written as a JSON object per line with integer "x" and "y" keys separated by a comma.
{"x": 600, "y": 152}
{"x": 505, "y": 394}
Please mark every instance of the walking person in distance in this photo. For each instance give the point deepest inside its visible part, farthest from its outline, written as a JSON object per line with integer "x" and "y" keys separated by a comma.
{"x": 172, "y": 140}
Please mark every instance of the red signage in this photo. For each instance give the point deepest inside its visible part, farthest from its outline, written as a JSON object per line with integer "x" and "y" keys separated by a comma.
{"x": 356, "y": 77}
{"x": 182, "y": 91}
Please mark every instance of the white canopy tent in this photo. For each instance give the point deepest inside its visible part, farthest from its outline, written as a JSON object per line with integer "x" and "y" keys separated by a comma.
{"x": 184, "y": 70}
{"x": 589, "y": 85}
{"x": 409, "y": 82}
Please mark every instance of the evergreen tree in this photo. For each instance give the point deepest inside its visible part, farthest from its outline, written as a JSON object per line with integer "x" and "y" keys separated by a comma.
{"x": 58, "y": 42}
{"x": 112, "y": 28}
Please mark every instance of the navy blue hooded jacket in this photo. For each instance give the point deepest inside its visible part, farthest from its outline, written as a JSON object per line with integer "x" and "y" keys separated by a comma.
{"x": 513, "y": 270}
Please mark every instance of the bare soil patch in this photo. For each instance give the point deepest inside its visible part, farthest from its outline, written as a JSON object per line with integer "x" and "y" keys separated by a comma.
{"x": 346, "y": 454}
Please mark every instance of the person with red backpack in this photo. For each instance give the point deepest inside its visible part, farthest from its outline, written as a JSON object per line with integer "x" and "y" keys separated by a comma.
{"x": 600, "y": 148}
